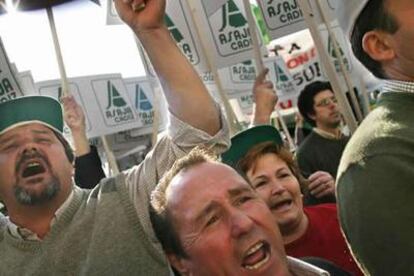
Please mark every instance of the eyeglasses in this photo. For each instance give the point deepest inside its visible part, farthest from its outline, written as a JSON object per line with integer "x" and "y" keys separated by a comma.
{"x": 326, "y": 102}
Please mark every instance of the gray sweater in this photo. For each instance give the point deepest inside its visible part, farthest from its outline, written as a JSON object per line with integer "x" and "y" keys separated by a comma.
{"x": 98, "y": 234}
{"x": 107, "y": 231}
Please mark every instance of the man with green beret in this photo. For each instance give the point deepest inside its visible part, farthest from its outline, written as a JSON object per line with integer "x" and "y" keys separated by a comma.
{"x": 56, "y": 228}
{"x": 375, "y": 190}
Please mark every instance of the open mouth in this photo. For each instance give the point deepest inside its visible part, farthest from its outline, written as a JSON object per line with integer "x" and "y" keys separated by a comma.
{"x": 257, "y": 256}
{"x": 281, "y": 205}
{"x": 32, "y": 168}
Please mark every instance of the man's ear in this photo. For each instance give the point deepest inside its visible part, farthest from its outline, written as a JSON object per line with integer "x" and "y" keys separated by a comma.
{"x": 180, "y": 264}
{"x": 378, "y": 46}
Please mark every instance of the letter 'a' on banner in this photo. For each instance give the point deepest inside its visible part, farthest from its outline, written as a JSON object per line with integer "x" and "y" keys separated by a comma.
{"x": 226, "y": 29}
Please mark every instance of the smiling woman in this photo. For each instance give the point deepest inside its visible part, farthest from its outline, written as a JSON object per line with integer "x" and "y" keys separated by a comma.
{"x": 86, "y": 42}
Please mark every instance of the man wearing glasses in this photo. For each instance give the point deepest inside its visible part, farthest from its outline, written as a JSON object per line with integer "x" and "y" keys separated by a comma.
{"x": 319, "y": 154}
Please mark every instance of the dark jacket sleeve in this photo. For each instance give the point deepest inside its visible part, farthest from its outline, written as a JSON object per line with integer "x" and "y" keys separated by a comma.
{"x": 88, "y": 169}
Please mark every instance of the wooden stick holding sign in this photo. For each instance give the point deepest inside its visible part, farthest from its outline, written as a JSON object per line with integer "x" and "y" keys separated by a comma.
{"x": 231, "y": 116}
{"x": 328, "y": 66}
{"x": 342, "y": 67}
{"x": 260, "y": 65}
{"x": 65, "y": 85}
{"x": 61, "y": 64}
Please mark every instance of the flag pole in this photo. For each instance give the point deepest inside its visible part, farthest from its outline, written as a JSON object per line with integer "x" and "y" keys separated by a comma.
{"x": 65, "y": 86}
{"x": 260, "y": 65}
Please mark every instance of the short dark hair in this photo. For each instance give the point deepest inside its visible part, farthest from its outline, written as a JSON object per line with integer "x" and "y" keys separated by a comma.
{"x": 373, "y": 17}
{"x": 160, "y": 216}
{"x": 306, "y": 99}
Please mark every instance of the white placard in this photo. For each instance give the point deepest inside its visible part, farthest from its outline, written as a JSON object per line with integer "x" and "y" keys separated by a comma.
{"x": 281, "y": 17}
{"x": 344, "y": 50}
{"x": 227, "y": 32}
{"x": 27, "y": 83}
{"x": 240, "y": 76}
{"x": 141, "y": 95}
{"x": 282, "y": 79}
{"x": 104, "y": 100}
{"x": 181, "y": 26}
{"x": 211, "y": 6}
{"x": 9, "y": 85}
{"x": 112, "y": 17}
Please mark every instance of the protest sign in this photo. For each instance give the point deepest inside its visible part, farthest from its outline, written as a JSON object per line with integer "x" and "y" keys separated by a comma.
{"x": 141, "y": 95}
{"x": 281, "y": 17}
{"x": 226, "y": 30}
{"x": 104, "y": 100}
{"x": 9, "y": 85}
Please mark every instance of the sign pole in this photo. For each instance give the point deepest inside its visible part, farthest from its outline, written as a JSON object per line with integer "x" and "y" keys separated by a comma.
{"x": 61, "y": 64}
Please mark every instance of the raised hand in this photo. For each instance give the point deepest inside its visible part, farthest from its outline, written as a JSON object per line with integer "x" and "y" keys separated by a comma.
{"x": 141, "y": 15}
{"x": 265, "y": 98}
{"x": 73, "y": 114}
{"x": 75, "y": 120}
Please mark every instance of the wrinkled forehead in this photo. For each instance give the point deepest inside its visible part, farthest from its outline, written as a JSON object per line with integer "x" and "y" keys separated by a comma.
{"x": 32, "y": 126}
{"x": 204, "y": 182}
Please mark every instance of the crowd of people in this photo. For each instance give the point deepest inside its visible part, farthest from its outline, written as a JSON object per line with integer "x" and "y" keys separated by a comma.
{"x": 204, "y": 203}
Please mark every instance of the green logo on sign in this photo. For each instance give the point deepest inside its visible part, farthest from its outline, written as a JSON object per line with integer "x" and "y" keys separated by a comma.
{"x": 280, "y": 74}
{"x": 333, "y": 54}
{"x": 183, "y": 42}
{"x": 331, "y": 48}
{"x": 175, "y": 32}
{"x": 232, "y": 16}
{"x": 114, "y": 98}
{"x": 141, "y": 100}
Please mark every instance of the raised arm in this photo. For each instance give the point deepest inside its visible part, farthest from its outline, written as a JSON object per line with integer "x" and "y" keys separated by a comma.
{"x": 88, "y": 167}
{"x": 75, "y": 120}
{"x": 186, "y": 95}
{"x": 265, "y": 99}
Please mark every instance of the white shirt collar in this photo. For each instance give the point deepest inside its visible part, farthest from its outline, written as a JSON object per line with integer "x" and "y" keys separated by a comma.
{"x": 397, "y": 86}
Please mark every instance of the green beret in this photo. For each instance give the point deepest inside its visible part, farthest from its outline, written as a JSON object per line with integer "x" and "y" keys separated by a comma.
{"x": 31, "y": 109}
{"x": 245, "y": 140}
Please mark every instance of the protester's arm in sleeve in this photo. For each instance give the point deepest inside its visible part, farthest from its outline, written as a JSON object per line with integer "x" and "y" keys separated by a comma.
{"x": 186, "y": 95}
{"x": 88, "y": 167}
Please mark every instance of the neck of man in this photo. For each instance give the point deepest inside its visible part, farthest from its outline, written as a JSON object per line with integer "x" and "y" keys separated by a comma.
{"x": 394, "y": 72}
{"x": 293, "y": 232}
{"x": 334, "y": 130}
{"x": 36, "y": 218}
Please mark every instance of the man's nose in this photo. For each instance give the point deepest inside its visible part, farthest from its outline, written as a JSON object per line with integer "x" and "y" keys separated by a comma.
{"x": 241, "y": 223}
{"x": 30, "y": 150}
